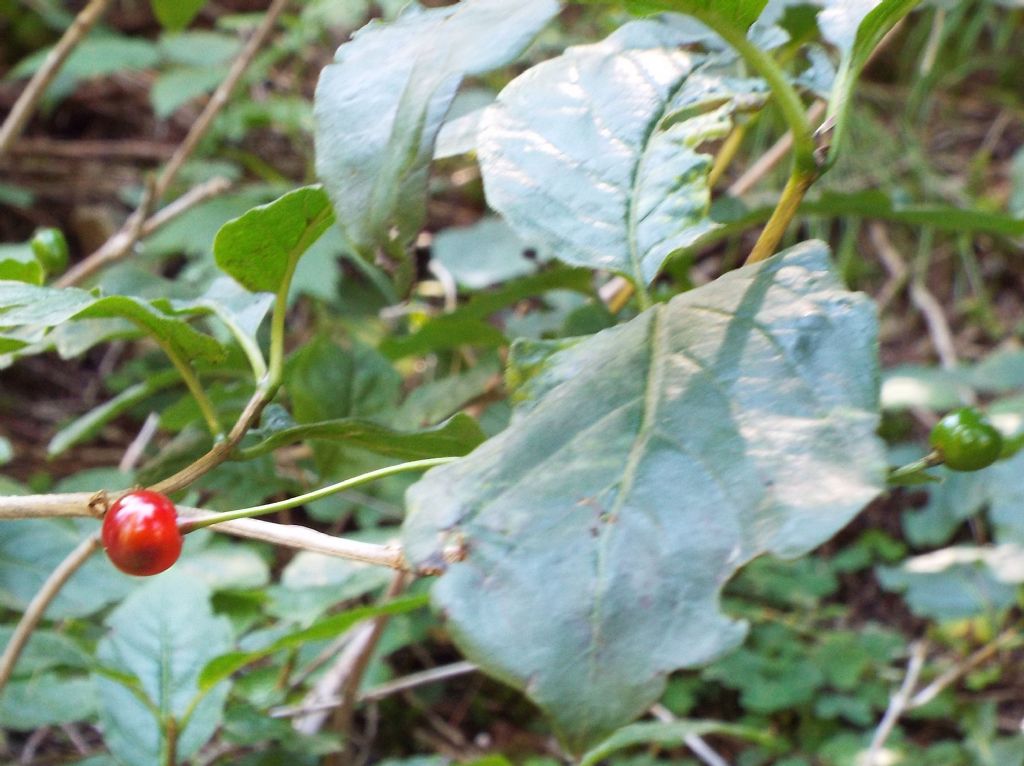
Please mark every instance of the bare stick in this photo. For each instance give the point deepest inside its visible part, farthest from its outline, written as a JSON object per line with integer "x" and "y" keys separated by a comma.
{"x": 78, "y": 504}
{"x": 220, "y": 97}
{"x": 897, "y": 705}
{"x": 932, "y": 690}
{"x": 29, "y": 98}
{"x": 293, "y": 536}
{"x": 922, "y": 298}
{"x": 195, "y": 196}
{"x": 344, "y": 676}
{"x": 405, "y": 683}
{"x": 120, "y": 244}
{"x": 45, "y": 506}
{"x": 34, "y": 613}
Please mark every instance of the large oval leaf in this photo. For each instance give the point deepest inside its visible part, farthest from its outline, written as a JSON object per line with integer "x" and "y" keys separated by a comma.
{"x": 593, "y": 155}
{"x": 643, "y": 466}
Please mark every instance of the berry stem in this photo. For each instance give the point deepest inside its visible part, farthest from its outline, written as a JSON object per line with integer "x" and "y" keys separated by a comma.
{"x": 308, "y": 497}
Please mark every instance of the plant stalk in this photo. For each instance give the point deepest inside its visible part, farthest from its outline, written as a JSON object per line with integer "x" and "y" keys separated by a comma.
{"x": 308, "y": 497}
{"x": 788, "y": 204}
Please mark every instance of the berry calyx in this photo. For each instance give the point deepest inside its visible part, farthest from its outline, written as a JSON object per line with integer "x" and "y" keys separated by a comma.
{"x": 966, "y": 440}
{"x": 50, "y": 249}
{"x": 140, "y": 533}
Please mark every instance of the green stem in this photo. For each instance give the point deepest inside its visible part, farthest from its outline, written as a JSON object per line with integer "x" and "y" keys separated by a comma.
{"x": 932, "y": 459}
{"x": 276, "y": 370}
{"x": 171, "y": 732}
{"x": 789, "y": 203}
{"x": 249, "y": 346}
{"x": 788, "y": 99}
{"x": 317, "y": 494}
{"x": 195, "y": 388}
{"x": 805, "y": 166}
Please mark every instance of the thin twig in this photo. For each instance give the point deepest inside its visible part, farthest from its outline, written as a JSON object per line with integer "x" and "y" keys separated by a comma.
{"x": 893, "y": 262}
{"x": 221, "y": 450}
{"x": 938, "y": 326}
{"x": 343, "y": 677}
{"x": 294, "y": 536}
{"x": 133, "y": 453}
{"x": 29, "y": 98}
{"x": 220, "y": 97}
{"x": 45, "y": 506}
{"x": 79, "y": 504}
{"x": 920, "y": 296}
{"x": 698, "y": 746}
{"x": 898, "y": 704}
{"x": 119, "y": 245}
{"x": 932, "y": 690}
{"x": 91, "y": 149}
{"x": 411, "y": 681}
{"x": 195, "y": 196}
{"x": 37, "y": 607}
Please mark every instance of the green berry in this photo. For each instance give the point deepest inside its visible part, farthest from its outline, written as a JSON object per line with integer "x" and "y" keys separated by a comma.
{"x": 50, "y": 249}
{"x": 966, "y": 440}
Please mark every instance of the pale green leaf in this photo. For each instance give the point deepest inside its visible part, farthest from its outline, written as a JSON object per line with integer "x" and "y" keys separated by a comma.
{"x": 23, "y": 305}
{"x": 177, "y": 87}
{"x": 643, "y": 466}
{"x": 30, "y": 549}
{"x": 668, "y": 734}
{"x": 46, "y": 700}
{"x": 88, "y": 425}
{"x": 163, "y": 635}
{"x": 593, "y": 156}
{"x": 381, "y": 104}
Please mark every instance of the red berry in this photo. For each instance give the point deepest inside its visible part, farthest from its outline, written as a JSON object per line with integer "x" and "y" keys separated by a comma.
{"x": 140, "y": 533}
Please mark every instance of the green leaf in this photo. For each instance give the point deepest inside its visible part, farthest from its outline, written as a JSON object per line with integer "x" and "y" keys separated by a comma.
{"x": 176, "y": 14}
{"x": 96, "y": 56}
{"x": 593, "y": 155}
{"x": 483, "y": 254}
{"x": 946, "y": 586}
{"x": 738, "y": 14}
{"x": 46, "y": 700}
{"x": 18, "y": 263}
{"x": 175, "y": 88}
{"x": 380, "y": 106}
{"x": 466, "y": 325}
{"x": 46, "y": 650}
{"x": 327, "y": 382}
{"x": 643, "y": 466}
{"x": 88, "y": 425}
{"x": 30, "y": 549}
{"x": 222, "y": 667}
{"x": 23, "y": 305}
{"x": 456, "y": 436}
{"x": 261, "y": 248}
{"x": 223, "y": 565}
{"x": 670, "y": 734}
{"x": 871, "y": 28}
{"x": 163, "y": 634}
